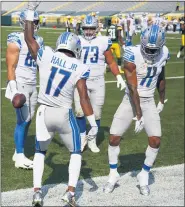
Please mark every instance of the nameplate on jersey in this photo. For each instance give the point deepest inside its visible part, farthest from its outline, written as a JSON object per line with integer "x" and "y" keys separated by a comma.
{"x": 62, "y": 63}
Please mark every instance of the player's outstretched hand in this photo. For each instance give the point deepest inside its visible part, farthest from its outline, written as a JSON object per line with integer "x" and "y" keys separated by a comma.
{"x": 139, "y": 124}
{"x": 92, "y": 133}
{"x": 160, "y": 106}
{"x": 120, "y": 82}
{"x": 32, "y": 5}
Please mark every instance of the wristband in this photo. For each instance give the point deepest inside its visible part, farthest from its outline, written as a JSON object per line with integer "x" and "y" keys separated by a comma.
{"x": 30, "y": 15}
{"x": 91, "y": 120}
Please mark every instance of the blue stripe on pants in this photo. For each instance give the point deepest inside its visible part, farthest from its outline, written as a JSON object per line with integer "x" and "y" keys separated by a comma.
{"x": 75, "y": 131}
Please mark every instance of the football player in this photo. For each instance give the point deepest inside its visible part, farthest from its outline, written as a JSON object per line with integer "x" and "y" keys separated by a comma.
{"x": 131, "y": 29}
{"x": 60, "y": 72}
{"x": 95, "y": 50}
{"x": 144, "y": 22}
{"x": 114, "y": 33}
{"x": 158, "y": 20}
{"x": 144, "y": 67}
{"x": 182, "y": 25}
{"x": 21, "y": 72}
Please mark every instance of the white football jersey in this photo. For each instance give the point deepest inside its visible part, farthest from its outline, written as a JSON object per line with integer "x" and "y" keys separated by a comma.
{"x": 158, "y": 20}
{"x": 93, "y": 54}
{"x": 144, "y": 22}
{"x": 147, "y": 75}
{"x": 125, "y": 24}
{"x": 132, "y": 23}
{"x": 58, "y": 77}
{"x": 26, "y": 70}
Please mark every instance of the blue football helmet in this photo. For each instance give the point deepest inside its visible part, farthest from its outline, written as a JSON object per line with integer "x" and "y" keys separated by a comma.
{"x": 71, "y": 42}
{"x": 152, "y": 41}
{"x": 89, "y": 27}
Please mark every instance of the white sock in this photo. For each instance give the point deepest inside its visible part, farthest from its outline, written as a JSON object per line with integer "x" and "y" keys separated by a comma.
{"x": 151, "y": 154}
{"x": 38, "y": 169}
{"x": 74, "y": 169}
{"x": 113, "y": 153}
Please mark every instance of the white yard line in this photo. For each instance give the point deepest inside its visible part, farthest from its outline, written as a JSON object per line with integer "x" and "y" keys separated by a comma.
{"x": 166, "y": 185}
{"x": 175, "y": 77}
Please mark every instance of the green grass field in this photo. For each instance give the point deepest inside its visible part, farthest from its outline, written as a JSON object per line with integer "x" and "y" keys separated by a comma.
{"x": 132, "y": 148}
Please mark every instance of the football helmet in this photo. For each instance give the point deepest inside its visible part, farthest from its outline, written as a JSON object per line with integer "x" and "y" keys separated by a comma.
{"x": 144, "y": 14}
{"x": 71, "y": 42}
{"x": 22, "y": 19}
{"x": 115, "y": 20}
{"x": 157, "y": 15}
{"x": 89, "y": 27}
{"x": 152, "y": 40}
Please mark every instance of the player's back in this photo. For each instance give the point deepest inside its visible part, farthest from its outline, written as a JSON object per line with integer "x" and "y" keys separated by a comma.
{"x": 58, "y": 77}
{"x": 26, "y": 68}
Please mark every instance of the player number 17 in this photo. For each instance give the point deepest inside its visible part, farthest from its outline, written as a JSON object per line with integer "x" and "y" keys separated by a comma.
{"x": 66, "y": 76}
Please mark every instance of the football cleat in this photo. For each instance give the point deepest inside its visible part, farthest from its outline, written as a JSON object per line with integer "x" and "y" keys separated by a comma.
{"x": 37, "y": 199}
{"x": 27, "y": 160}
{"x": 69, "y": 199}
{"x": 143, "y": 183}
{"x": 92, "y": 146}
{"x": 178, "y": 54}
{"x": 22, "y": 162}
{"x": 112, "y": 181}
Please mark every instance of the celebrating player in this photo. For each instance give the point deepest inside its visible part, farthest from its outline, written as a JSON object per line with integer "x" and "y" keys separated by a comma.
{"x": 21, "y": 71}
{"x": 95, "y": 50}
{"x": 60, "y": 72}
{"x": 144, "y": 67}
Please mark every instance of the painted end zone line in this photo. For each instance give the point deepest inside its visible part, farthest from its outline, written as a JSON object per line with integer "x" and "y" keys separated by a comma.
{"x": 177, "y": 77}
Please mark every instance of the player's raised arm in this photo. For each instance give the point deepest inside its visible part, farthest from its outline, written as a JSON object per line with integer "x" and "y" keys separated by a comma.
{"x": 131, "y": 78}
{"x": 28, "y": 34}
{"x": 29, "y": 29}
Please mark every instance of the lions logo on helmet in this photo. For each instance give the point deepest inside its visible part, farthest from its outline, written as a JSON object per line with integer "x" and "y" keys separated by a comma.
{"x": 152, "y": 41}
{"x": 22, "y": 19}
{"x": 89, "y": 27}
{"x": 71, "y": 42}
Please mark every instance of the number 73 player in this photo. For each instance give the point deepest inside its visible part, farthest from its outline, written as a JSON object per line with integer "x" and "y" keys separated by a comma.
{"x": 144, "y": 71}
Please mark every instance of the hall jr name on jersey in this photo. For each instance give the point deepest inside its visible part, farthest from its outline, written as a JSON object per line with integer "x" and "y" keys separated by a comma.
{"x": 62, "y": 63}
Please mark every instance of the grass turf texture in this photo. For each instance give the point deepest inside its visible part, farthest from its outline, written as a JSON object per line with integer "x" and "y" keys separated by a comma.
{"x": 132, "y": 148}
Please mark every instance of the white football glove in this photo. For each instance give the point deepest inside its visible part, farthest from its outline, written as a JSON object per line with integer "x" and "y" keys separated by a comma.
{"x": 92, "y": 133}
{"x": 160, "y": 106}
{"x": 32, "y": 5}
{"x": 120, "y": 82}
{"x": 139, "y": 124}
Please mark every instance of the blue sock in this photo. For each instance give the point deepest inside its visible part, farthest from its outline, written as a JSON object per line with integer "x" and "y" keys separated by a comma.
{"x": 81, "y": 121}
{"x": 21, "y": 131}
{"x": 20, "y": 135}
{"x": 98, "y": 123}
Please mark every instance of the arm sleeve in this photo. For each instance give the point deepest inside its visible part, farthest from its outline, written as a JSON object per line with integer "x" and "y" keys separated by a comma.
{"x": 14, "y": 38}
{"x": 129, "y": 55}
{"x": 43, "y": 54}
{"x": 84, "y": 74}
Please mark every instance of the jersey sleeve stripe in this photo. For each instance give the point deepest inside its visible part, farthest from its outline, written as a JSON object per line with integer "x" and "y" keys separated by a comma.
{"x": 85, "y": 75}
